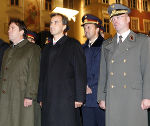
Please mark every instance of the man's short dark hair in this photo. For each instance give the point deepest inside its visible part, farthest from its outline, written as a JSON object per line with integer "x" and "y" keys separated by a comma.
{"x": 64, "y": 20}
{"x": 20, "y": 24}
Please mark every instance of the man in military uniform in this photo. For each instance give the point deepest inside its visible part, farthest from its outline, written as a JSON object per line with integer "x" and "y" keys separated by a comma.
{"x": 92, "y": 114}
{"x": 124, "y": 83}
{"x": 31, "y": 36}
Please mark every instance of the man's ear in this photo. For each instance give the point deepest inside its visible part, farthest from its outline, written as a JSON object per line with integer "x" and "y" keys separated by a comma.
{"x": 128, "y": 18}
{"x": 65, "y": 26}
{"x": 97, "y": 30}
{"x": 22, "y": 32}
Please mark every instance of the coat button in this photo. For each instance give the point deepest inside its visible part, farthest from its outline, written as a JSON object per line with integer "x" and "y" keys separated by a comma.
{"x": 124, "y": 74}
{"x": 124, "y": 86}
{"x": 3, "y": 91}
{"x": 124, "y": 60}
{"x": 111, "y": 73}
{"x": 112, "y": 61}
{"x": 4, "y": 79}
{"x": 6, "y": 68}
{"x": 112, "y": 86}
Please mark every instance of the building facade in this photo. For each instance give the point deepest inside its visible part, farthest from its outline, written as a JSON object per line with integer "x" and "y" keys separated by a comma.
{"x": 36, "y": 13}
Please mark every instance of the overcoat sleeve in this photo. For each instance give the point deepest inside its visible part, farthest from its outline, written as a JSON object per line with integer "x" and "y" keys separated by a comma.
{"x": 145, "y": 66}
{"x": 80, "y": 72}
{"x": 101, "y": 92}
{"x": 33, "y": 73}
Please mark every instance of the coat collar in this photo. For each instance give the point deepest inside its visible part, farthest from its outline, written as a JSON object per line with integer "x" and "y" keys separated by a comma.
{"x": 98, "y": 42}
{"x": 61, "y": 41}
{"x": 20, "y": 44}
{"x": 128, "y": 43}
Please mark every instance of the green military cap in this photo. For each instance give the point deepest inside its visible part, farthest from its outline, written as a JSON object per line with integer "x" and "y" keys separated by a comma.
{"x": 118, "y": 9}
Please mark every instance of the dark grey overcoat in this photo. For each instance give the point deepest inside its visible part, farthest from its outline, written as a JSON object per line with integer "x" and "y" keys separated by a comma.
{"x": 125, "y": 80}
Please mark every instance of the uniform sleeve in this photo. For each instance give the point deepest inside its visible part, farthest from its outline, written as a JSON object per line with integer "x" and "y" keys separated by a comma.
{"x": 145, "y": 67}
{"x": 101, "y": 92}
{"x": 33, "y": 74}
{"x": 80, "y": 73}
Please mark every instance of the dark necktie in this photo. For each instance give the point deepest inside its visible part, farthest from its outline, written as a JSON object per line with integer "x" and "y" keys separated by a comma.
{"x": 120, "y": 39}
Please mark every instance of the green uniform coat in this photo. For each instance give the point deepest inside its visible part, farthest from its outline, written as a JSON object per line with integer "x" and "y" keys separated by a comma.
{"x": 125, "y": 80}
{"x": 19, "y": 80}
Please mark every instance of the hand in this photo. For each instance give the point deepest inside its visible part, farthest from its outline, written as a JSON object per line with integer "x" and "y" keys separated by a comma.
{"x": 145, "y": 104}
{"x": 27, "y": 102}
{"x": 41, "y": 104}
{"x": 102, "y": 105}
{"x": 78, "y": 104}
{"x": 88, "y": 90}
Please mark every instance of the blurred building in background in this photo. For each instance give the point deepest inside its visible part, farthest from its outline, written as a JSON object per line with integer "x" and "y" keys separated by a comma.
{"x": 36, "y": 13}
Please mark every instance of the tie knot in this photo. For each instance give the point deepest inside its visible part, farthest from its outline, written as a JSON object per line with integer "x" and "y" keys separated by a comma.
{"x": 120, "y": 39}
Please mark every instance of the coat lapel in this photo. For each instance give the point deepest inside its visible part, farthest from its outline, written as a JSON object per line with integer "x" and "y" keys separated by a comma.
{"x": 112, "y": 46}
{"x": 96, "y": 47}
{"x": 128, "y": 43}
{"x": 55, "y": 51}
{"x": 116, "y": 49}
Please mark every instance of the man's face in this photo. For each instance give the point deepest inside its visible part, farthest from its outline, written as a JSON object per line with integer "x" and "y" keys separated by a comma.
{"x": 56, "y": 25}
{"x": 90, "y": 31}
{"x": 121, "y": 22}
{"x": 31, "y": 39}
{"x": 14, "y": 33}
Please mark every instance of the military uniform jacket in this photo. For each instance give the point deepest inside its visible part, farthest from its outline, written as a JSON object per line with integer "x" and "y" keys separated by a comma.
{"x": 62, "y": 82}
{"x": 93, "y": 63}
{"x": 125, "y": 80}
{"x": 19, "y": 79}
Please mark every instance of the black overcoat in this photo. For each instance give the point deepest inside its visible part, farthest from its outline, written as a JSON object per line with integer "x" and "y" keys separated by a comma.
{"x": 62, "y": 82}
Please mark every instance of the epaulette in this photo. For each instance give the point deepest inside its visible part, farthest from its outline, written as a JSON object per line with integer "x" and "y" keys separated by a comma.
{"x": 107, "y": 42}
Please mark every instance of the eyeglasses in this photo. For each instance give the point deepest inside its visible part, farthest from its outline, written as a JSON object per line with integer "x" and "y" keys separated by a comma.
{"x": 116, "y": 18}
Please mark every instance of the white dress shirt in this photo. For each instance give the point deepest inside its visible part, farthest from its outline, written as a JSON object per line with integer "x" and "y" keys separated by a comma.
{"x": 124, "y": 35}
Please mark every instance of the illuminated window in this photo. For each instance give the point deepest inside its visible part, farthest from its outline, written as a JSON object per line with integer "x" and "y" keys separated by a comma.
{"x": 14, "y": 2}
{"x": 47, "y": 25}
{"x": 68, "y": 4}
{"x": 105, "y": 1}
{"x": 106, "y": 25}
{"x": 87, "y": 2}
{"x": 118, "y": 1}
{"x": 134, "y": 24}
{"x": 48, "y": 5}
{"x": 145, "y": 5}
{"x": 147, "y": 26}
{"x": 133, "y": 3}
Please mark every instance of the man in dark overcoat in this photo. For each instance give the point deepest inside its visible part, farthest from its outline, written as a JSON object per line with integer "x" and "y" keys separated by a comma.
{"x": 124, "y": 83}
{"x": 92, "y": 114}
{"x": 62, "y": 83}
{"x": 3, "y": 47}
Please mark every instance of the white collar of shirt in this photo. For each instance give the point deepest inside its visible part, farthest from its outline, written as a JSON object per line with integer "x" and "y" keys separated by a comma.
{"x": 54, "y": 42}
{"x": 18, "y": 42}
{"x": 124, "y": 35}
{"x": 91, "y": 42}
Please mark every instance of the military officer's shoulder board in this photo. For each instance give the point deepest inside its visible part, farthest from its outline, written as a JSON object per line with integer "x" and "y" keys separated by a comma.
{"x": 142, "y": 35}
{"x": 107, "y": 42}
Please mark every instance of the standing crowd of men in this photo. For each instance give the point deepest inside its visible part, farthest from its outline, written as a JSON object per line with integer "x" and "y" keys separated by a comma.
{"x": 108, "y": 81}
